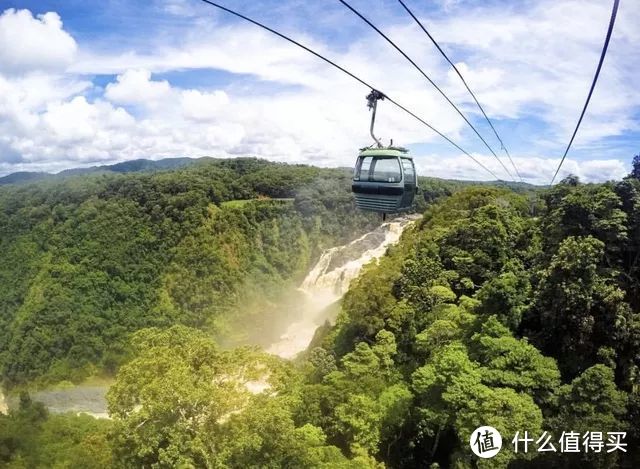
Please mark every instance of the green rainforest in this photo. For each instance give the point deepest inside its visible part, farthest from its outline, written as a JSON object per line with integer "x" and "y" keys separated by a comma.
{"x": 511, "y": 306}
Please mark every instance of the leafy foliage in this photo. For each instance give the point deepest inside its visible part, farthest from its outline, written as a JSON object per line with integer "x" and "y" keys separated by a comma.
{"x": 635, "y": 170}
{"x": 497, "y": 308}
{"x": 86, "y": 261}
{"x": 488, "y": 306}
{"x": 31, "y": 437}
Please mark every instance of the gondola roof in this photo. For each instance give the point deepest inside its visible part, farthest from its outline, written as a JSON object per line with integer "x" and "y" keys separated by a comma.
{"x": 386, "y": 151}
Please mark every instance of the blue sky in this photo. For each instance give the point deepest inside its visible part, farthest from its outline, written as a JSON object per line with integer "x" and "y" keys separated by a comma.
{"x": 84, "y": 83}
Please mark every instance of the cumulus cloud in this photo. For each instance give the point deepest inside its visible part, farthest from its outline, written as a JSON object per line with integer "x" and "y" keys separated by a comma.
{"x": 34, "y": 44}
{"x": 136, "y": 87}
{"x": 523, "y": 75}
{"x": 200, "y": 106}
{"x": 78, "y": 120}
{"x": 71, "y": 121}
{"x": 535, "y": 170}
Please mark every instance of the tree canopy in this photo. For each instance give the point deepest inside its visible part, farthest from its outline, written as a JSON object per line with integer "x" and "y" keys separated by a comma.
{"x": 499, "y": 307}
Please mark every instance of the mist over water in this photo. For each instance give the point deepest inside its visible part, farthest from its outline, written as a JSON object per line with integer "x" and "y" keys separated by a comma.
{"x": 329, "y": 280}
{"x": 85, "y": 399}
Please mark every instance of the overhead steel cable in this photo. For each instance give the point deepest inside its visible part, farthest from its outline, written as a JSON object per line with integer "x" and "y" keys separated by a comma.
{"x": 612, "y": 21}
{"x": 374, "y": 27}
{"x": 435, "y": 43}
{"x": 361, "y": 81}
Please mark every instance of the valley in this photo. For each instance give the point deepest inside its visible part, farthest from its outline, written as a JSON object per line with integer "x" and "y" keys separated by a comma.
{"x": 265, "y": 322}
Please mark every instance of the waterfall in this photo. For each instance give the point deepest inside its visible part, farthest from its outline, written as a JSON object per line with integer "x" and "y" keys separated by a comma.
{"x": 329, "y": 280}
{"x": 325, "y": 284}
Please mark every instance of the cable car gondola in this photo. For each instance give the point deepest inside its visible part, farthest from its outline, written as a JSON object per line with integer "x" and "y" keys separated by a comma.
{"x": 384, "y": 178}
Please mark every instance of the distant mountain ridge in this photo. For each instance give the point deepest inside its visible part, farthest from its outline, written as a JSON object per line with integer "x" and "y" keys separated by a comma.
{"x": 131, "y": 166}
{"x": 142, "y": 165}
{"x": 23, "y": 176}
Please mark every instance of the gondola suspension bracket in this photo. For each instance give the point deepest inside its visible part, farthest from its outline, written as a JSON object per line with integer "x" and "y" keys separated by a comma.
{"x": 372, "y": 104}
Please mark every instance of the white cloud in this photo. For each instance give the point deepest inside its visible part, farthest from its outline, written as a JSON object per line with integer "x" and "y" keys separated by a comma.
{"x": 541, "y": 61}
{"x": 72, "y": 121}
{"x": 182, "y": 8}
{"x": 517, "y": 68}
{"x": 34, "y": 44}
{"x": 594, "y": 170}
{"x": 535, "y": 170}
{"x": 23, "y": 100}
{"x": 136, "y": 87}
{"x": 77, "y": 120}
{"x": 200, "y": 106}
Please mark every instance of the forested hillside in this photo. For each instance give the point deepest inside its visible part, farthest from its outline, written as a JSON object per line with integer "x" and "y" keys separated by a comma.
{"x": 486, "y": 315}
{"x": 496, "y": 310}
{"x": 87, "y": 260}
{"x": 519, "y": 311}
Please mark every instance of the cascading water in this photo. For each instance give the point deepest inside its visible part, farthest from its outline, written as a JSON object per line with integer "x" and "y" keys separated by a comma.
{"x": 329, "y": 280}
{"x": 324, "y": 285}
{"x": 4, "y": 409}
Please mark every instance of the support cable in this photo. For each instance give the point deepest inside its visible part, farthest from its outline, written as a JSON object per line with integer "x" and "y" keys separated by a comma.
{"x": 355, "y": 77}
{"x": 612, "y": 21}
{"x": 435, "y": 43}
{"x": 375, "y": 28}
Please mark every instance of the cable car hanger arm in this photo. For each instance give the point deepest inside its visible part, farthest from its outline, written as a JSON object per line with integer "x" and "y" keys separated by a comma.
{"x": 372, "y": 103}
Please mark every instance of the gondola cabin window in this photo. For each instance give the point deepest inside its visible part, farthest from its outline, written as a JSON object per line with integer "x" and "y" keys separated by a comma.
{"x": 409, "y": 172}
{"x": 386, "y": 170}
{"x": 362, "y": 169}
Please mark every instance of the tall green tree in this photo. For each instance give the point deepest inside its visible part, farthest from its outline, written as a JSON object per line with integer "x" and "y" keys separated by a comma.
{"x": 576, "y": 310}
{"x": 635, "y": 167}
